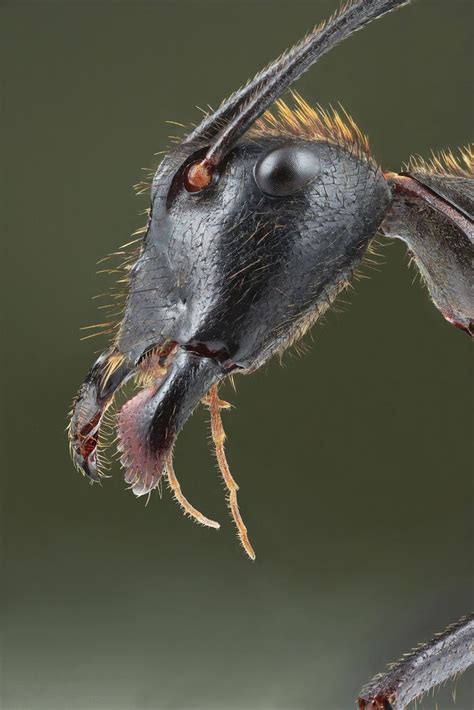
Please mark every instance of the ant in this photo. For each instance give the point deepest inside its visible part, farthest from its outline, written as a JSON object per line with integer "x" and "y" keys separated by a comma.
{"x": 258, "y": 219}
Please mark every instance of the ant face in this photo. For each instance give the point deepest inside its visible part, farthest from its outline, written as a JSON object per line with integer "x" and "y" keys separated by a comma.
{"x": 237, "y": 270}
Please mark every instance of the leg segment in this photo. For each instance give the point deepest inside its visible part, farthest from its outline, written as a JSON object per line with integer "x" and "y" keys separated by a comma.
{"x": 433, "y": 213}
{"x": 430, "y": 664}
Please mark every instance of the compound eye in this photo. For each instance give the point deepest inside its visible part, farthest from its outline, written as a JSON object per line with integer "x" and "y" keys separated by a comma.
{"x": 285, "y": 170}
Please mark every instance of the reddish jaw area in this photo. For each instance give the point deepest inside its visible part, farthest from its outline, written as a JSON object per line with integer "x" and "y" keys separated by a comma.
{"x": 95, "y": 395}
{"x": 142, "y": 469}
{"x": 147, "y": 425}
{"x": 84, "y": 437}
{"x": 150, "y": 422}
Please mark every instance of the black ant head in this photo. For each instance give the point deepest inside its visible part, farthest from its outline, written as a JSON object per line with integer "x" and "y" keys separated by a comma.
{"x": 256, "y": 223}
{"x": 236, "y": 269}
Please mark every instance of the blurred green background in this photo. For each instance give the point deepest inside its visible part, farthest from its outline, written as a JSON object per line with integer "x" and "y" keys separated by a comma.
{"x": 353, "y": 460}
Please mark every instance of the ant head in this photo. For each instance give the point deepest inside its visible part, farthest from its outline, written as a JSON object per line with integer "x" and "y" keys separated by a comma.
{"x": 239, "y": 260}
{"x": 256, "y": 222}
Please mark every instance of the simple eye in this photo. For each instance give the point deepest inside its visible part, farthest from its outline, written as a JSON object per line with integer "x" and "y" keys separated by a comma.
{"x": 198, "y": 176}
{"x": 285, "y": 170}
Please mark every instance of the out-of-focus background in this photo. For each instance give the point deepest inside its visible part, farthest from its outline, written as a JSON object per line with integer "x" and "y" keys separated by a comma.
{"x": 353, "y": 460}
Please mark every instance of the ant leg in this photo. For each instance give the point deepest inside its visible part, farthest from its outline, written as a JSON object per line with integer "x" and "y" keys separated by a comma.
{"x": 430, "y": 664}
{"x": 433, "y": 212}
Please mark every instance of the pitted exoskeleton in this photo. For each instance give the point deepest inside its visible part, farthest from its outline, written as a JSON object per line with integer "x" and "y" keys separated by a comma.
{"x": 257, "y": 220}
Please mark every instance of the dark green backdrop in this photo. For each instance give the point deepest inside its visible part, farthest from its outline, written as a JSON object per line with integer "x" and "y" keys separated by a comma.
{"x": 353, "y": 460}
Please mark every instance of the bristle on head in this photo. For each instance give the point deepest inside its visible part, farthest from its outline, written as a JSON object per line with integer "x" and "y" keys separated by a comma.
{"x": 303, "y": 121}
{"x": 113, "y": 363}
{"x": 445, "y": 163}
